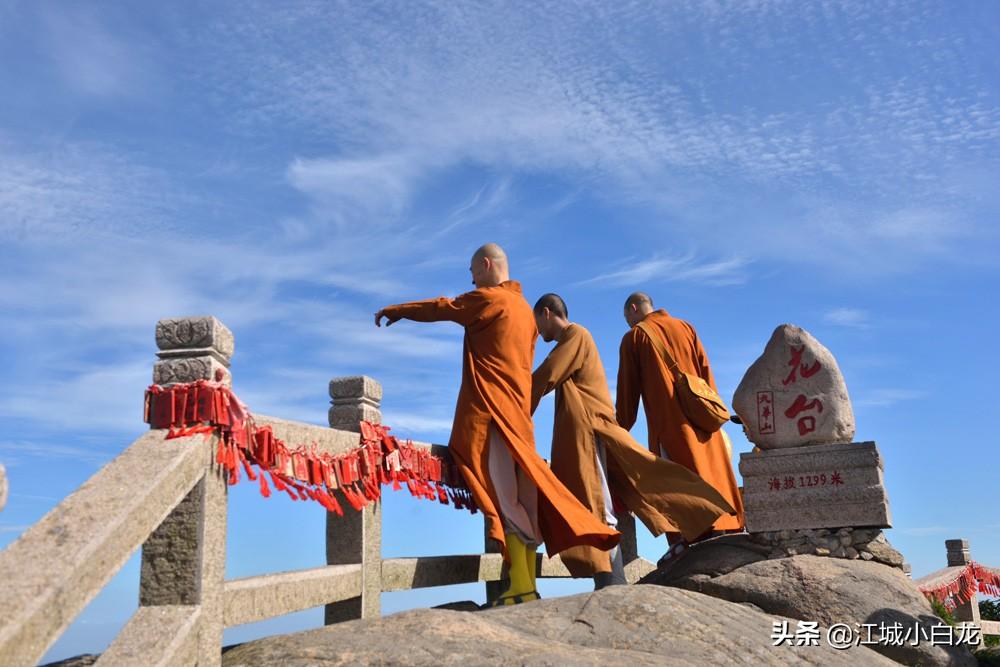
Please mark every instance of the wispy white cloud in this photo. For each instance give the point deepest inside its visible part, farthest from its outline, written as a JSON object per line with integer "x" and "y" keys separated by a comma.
{"x": 404, "y": 423}
{"x": 526, "y": 100}
{"x": 376, "y": 188}
{"x": 533, "y": 97}
{"x": 395, "y": 101}
{"x": 847, "y": 317}
{"x": 925, "y": 531}
{"x": 883, "y": 398}
{"x": 91, "y": 58}
{"x": 15, "y": 454}
{"x": 107, "y": 398}
{"x": 71, "y": 191}
{"x": 484, "y": 204}
{"x": 687, "y": 268}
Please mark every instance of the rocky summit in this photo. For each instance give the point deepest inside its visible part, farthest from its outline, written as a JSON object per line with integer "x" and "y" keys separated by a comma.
{"x": 715, "y": 605}
{"x": 720, "y": 603}
{"x": 828, "y": 590}
{"x": 619, "y": 625}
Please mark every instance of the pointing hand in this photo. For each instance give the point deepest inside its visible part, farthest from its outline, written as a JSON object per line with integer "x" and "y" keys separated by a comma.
{"x": 389, "y": 319}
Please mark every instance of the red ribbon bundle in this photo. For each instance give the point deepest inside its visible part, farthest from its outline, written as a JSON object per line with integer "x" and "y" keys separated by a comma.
{"x": 973, "y": 577}
{"x": 302, "y": 472}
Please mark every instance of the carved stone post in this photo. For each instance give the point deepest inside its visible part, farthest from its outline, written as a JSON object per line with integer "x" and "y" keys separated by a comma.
{"x": 192, "y": 348}
{"x": 958, "y": 556}
{"x": 634, "y": 568}
{"x": 356, "y": 537}
{"x": 184, "y": 560}
{"x": 958, "y": 552}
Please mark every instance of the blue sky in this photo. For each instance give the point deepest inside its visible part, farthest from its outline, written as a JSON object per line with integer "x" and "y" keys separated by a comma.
{"x": 291, "y": 167}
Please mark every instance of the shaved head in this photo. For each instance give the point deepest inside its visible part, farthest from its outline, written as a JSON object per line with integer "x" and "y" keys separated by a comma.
{"x": 551, "y": 316}
{"x": 489, "y": 266}
{"x": 554, "y": 303}
{"x": 638, "y": 299}
{"x": 637, "y": 306}
{"x": 492, "y": 251}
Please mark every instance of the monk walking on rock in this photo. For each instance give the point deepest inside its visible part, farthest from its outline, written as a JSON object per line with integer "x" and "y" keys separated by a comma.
{"x": 643, "y": 373}
{"x": 595, "y": 457}
{"x": 492, "y": 438}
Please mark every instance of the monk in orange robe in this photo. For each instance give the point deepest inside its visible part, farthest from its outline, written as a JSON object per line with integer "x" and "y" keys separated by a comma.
{"x": 642, "y": 373}
{"x": 492, "y": 438}
{"x": 595, "y": 457}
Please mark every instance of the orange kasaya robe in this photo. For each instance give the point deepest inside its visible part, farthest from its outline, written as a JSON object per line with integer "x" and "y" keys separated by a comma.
{"x": 642, "y": 373}
{"x": 499, "y": 349}
{"x": 664, "y": 495}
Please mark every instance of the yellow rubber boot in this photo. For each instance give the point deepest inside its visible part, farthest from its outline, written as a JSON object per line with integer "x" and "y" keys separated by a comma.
{"x": 522, "y": 588}
{"x": 531, "y": 559}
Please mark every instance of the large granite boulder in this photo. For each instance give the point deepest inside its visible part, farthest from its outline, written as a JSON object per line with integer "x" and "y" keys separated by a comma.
{"x": 794, "y": 394}
{"x": 813, "y": 588}
{"x": 619, "y": 625}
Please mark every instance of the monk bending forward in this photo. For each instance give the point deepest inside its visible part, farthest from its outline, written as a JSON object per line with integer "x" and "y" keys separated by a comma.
{"x": 595, "y": 457}
{"x": 643, "y": 373}
{"x": 492, "y": 438}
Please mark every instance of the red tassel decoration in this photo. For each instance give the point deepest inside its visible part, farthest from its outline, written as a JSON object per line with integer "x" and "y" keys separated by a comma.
{"x": 211, "y": 408}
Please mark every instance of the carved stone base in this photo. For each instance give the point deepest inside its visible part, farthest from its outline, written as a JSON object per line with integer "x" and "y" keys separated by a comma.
{"x": 849, "y": 543}
{"x": 818, "y": 486}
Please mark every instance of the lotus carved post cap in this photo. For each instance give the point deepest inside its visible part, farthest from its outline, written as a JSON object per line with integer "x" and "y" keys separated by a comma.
{"x": 958, "y": 552}
{"x": 194, "y": 336}
{"x": 191, "y": 349}
{"x": 355, "y": 387}
{"x": 354, "y": 399}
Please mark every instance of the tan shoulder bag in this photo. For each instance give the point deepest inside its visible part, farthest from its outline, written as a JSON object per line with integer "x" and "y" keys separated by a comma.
{"x": 701, "y": 404}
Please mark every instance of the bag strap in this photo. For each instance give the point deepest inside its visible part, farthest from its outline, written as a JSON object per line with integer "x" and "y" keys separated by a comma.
{"x": 659, "y": 346}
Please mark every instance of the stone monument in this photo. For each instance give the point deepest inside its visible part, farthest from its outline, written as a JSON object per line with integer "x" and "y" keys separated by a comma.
{"x": 807, "y": 476}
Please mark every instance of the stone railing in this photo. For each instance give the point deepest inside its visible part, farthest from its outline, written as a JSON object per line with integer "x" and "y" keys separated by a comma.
{"x": 170, "y": 499}
{"x": 966, "y": 612}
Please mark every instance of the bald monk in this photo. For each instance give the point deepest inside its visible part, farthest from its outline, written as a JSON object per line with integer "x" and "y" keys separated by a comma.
{"x": 595, "y": 457}
{"x": 492, "y": 438}
{"x": 642, "y": 373}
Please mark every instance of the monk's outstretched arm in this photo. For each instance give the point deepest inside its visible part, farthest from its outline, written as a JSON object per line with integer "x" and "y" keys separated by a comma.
{"x": 564, "y": 360}
{"x": 460, "y": 309}
{"x": 628, "y": 389}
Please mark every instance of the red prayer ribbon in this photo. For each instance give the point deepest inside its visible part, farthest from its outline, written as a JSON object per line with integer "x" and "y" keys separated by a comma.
{"x": 967, "y": 581}
{"x": 302, "y": 472}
